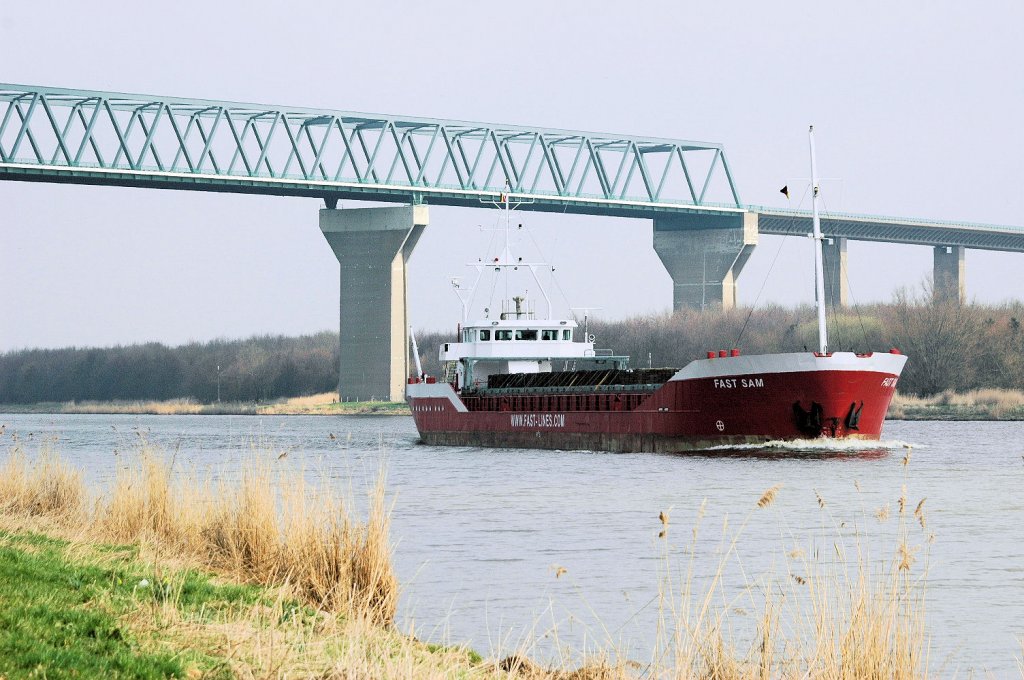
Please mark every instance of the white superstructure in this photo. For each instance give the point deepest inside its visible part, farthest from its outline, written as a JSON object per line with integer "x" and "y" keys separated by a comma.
{"x": 489, "y": 346}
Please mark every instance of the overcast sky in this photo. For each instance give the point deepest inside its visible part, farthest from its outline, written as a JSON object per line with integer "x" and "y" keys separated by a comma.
{"x": 917, "y": 108}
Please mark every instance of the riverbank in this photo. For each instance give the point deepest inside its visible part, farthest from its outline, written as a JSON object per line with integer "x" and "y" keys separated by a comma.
{"x": 325, "y": 404}
{"x": 74, "y": 608}
{"x": 165, "y": 576}
{"x": 173, "y": 576}
{"x": 982, "y": 404}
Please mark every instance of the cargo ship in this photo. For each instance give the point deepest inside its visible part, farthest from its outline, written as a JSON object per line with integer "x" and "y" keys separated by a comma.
{"x": 519, "y": 381}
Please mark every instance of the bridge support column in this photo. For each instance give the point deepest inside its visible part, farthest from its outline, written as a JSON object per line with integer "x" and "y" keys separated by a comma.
{"x": 837, "y": 287}
{"x": 373, "y": 245}
{"x": 704, "y": 254}
{"x": 948, "y": 278}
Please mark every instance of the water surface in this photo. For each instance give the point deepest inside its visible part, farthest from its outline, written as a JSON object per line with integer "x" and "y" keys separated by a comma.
{"x": 480, "y": 534}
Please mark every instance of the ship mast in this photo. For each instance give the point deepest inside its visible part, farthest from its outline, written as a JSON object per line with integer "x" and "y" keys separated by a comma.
{"x": 819, "y": 270}
{"x": 506, "y": 261}
{"x": 508, "y": 225}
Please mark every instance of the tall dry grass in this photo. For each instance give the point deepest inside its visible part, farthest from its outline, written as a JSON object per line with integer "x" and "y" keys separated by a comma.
{"x": 981, "y": 403}
{"x": 839, "y": 614}
{"x": 843, "y": 617}
{"x": 268, "y": 527}
{"x": 306, "y": 404}
{"x": 46, "y": 486}
{"x": 137, "y": 407}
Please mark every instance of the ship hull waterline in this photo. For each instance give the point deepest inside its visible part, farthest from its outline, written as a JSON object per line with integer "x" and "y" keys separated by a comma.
{"x": 706, "y": 405}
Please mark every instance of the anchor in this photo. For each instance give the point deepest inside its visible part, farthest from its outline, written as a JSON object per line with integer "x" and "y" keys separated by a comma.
{"x": 853, "y": 417}
{"x": 810, "y": 421}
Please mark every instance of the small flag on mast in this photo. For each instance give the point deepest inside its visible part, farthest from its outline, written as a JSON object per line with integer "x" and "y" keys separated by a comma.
{"x": 785, "y": 191}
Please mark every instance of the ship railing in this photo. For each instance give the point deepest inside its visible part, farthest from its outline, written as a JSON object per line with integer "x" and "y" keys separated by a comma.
{"x": 581, "y": 389}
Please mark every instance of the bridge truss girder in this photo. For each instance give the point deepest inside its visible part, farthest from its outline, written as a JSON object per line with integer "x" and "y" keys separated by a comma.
{"x": 49, "y": 134}
{"x": 105, "y": 138}
{"x": 778, "y": 222}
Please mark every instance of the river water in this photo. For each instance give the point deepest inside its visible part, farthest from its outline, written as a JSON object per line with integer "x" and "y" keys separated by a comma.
{"x": 497, "y": 547}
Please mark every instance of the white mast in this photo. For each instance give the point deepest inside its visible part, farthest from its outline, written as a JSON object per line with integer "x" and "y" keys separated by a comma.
{"x": 819, "y": 270}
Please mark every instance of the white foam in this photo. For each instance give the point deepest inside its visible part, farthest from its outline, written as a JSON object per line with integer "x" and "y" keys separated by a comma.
{"x": 819, "y": 444}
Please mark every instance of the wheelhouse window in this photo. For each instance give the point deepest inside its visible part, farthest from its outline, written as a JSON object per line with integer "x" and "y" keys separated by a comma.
{"x": 548, "y": 334}
{"x": 566, "y": 334}
{"x": 485, "y": 335}
{"x": 526, "y": 334}
{"x": 502, "y": 335}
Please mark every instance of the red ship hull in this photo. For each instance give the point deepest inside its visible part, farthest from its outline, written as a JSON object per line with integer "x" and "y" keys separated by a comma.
{"x": 735, "y": 400}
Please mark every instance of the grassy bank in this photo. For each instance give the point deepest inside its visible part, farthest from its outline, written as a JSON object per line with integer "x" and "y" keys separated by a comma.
{"x": 985, "y": 404}
{"x": 261, "y": 573}
{"x": 71, "y": 608}
{"x": 177, "y": 576}
{"x": 325, "y": 404}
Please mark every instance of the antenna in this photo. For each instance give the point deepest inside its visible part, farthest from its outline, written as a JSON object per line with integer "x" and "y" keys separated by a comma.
{"x": 462, "y": 293}
{"x": 507, "y": 204}
{"x": 585, "y": 311}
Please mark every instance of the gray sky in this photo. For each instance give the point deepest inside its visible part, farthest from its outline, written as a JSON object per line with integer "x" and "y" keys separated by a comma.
{"x": 916, "y": 106}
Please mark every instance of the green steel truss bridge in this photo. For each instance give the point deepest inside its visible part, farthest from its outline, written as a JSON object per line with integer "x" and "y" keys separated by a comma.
{"x": 107, "y": 138}
{"x": 49, "y": 134}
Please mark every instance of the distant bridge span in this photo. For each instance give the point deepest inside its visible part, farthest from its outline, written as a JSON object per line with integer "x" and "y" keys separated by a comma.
{"x": 90, "y": 137}
{"x": 703, "y": 233}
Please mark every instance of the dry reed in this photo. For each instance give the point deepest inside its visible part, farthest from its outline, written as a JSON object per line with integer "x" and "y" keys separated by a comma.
{"x": 169, "y": 407}
{"x": 984, "y": 402}
{"x": 268, "y": 528}
{"x": 46, "y": 486}
{"x": 309, "y": 404}
{"x": 768, "y": 497}
{"x": 843, "y": 619}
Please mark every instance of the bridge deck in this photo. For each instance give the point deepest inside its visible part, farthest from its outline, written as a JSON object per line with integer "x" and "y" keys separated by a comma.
{"x": 91, "y": 137}
{"x": 892, "y": 229}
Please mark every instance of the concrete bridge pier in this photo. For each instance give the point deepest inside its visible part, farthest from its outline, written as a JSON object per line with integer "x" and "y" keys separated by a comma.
{"x": 948, "y": 278}
{"x": 704, "y": 254}
{"x": 837, "y": 287}
{"x": 373, "y": 246}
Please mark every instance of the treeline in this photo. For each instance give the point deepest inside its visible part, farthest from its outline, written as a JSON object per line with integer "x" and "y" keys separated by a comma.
{"x": 951, "y": 347}
{"x": 253, "y": 370}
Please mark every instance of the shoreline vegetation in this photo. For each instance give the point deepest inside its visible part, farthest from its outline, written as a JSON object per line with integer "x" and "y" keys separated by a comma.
{"x": 325, "y": 404}
{"x": 957, "y": 348}
{"x": 260, "y": 572}
{"x": 982, "y": 404}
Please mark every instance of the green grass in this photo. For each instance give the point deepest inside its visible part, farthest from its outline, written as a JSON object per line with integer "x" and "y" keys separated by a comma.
{"x": 472, "y": 656}
{"x": 88, "y": 610}
{"x": 63, "y": 616}
{"x": 370, "y": 407}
